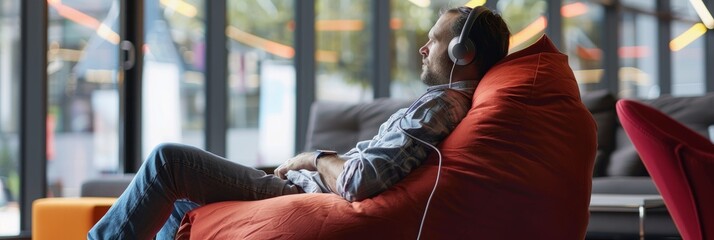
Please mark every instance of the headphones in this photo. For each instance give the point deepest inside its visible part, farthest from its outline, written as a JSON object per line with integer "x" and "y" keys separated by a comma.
{"x": 461, "y": 49}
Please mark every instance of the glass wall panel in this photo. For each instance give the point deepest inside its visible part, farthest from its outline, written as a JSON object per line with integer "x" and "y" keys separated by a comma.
{"x": 638, "y": 74}
{"x": 582, "y": 24}
{"x": 83, "y": 97}
{"x": 642, "y": 5}
{"x": 342, "y": 40}
{"x": 9, "y": 117}
{"x": 173, "y": 101}
{"x": 526, "y": 20}
{"x": 687, "y": 46}
{"x": 261, "y": 82}
{"x": 410, "y": 23}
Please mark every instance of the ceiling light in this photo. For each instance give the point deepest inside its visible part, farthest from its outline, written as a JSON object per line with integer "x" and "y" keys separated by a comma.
{"x": 528, "y": 32}
{"x": 475, "y": 3}
{"x": 703, "y": 13}
{"x": 687, "y": 37}
{"x": 573, "y": 9}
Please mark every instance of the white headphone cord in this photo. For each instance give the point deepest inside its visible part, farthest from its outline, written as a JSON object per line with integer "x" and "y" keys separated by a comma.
{"x": 451, "y": 75}
{"x": 438, "y": 174}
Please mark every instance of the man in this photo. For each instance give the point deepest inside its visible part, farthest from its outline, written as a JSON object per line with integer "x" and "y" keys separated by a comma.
{"x": 182, "y": 177}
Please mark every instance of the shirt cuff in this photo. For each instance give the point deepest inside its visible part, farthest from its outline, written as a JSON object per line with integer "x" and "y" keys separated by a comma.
{"x": 309, "y": 181}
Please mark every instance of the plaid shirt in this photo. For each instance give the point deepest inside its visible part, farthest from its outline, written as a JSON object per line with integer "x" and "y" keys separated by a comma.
{"x": 374, "y": 165}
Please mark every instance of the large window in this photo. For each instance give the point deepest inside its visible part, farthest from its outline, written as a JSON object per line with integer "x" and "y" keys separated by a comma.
{"x": 173, "y": 101}
{"x": 410, "y": 23}
{"x": 342, "y": 43}
{"x": 687, "y": 46}
{"x": 638, "y": 73}
{"x": 641, "y": 5}
{"x": 526, "y": 20}
{"x": 261, "y": 82}
{"x": 582, "y": 22}
{"x": 622, "y": 40}
{"x": 83, "y": 97}
{"x": 9, "y": 117}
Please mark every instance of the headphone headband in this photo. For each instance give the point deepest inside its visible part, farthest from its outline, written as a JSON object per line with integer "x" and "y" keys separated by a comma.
{"x": 473, "y": 15}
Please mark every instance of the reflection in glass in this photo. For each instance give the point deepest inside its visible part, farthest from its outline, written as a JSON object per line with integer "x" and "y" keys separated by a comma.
{"x": 582, "y": 24}
{"x": 687, "y": 55}
{"x": 638, "y": 56}
{"x": 343, "y": 42}
{"x": 173, "y": 98}
{"x": 261, "y": 82}
{"x": 688, "y": 62}
{"x": 525, "y": 19}
{"x": 643, "y": 5}
{"x": 83, "y": 100}
{"x": 9, "y": 117}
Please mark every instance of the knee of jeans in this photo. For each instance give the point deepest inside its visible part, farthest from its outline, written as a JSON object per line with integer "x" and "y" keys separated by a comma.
{"x": 160, "y": 153}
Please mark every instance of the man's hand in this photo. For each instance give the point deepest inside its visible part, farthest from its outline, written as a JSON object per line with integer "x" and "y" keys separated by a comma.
{"x": 301, "y": 161}
{"x": 330, "y": 167}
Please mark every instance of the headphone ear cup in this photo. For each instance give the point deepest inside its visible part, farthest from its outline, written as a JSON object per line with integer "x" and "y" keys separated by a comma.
{"x": 468, "y": 53}
{"x": 461, "y": 53}
{"x": 454, "y": 53}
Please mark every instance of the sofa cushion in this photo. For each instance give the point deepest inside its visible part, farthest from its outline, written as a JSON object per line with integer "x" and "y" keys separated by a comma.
{"x": 624, "y": 185}
{"x": 339, "y": 125}
{"x": 519, "y": 166}
{"x": 106, "y": 185}
{"x": 601, "y": 104}
{"x": 694, "y": 112}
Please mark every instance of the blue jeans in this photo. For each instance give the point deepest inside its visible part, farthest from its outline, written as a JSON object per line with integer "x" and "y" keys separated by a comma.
{"x": 179, "y": 178}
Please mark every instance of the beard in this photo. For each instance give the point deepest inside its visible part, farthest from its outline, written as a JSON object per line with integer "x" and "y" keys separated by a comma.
{"x": 433, "y": 76}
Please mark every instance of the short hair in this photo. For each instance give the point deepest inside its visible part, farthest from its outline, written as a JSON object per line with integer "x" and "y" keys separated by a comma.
{"x": 489, "y": 34}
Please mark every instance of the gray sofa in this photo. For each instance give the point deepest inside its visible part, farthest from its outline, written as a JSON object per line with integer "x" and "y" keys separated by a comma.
{"x": 338, "y": 126}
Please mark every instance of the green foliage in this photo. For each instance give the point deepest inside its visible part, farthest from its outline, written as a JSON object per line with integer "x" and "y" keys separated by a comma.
{"x": 8, "y": 169}
{"x": 520, "y": 13}
{"x": 6, "y": 164}
{"x": 13, "y": 183}
{"x": 272, "y": 20}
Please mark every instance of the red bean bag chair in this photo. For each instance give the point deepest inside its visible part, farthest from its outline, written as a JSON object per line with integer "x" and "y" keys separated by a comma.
{"x": 519, "y": 166}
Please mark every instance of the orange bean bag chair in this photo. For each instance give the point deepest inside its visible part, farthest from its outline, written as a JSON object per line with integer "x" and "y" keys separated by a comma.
{"x": 519, "y": 166}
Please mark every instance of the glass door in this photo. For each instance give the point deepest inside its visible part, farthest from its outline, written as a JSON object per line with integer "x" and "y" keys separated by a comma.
{"x": 83, "y": 97}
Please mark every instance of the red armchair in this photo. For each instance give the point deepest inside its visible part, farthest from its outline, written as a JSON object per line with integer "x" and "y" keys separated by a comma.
{"x": 681, "y": 163}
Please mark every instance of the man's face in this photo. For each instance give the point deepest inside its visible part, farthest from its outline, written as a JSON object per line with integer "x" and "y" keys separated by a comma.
{"x": 436, "y": 64}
